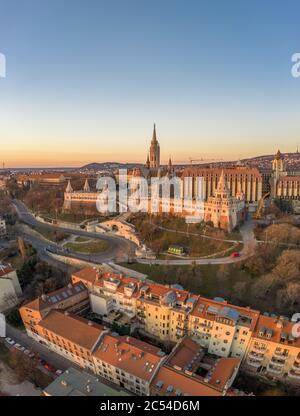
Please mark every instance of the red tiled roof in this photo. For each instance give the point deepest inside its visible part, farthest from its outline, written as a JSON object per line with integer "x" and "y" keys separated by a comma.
{"x": 129, "y": 354}
{"x": 72, "y": 328}
{"x": 181, "y": 383}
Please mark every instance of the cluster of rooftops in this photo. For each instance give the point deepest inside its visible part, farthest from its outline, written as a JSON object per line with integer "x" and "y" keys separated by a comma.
{"x": 175, "y": 374}
{"x": 272, "y": 327}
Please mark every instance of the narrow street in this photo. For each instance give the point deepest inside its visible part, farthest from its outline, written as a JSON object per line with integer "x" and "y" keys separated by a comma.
{"x": 119, "y": 247}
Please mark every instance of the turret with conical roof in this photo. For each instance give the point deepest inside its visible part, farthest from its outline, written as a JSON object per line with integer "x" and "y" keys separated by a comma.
{"x": 86, "y": 187}
{"x": 278, "y": 164}
{"x": 69, "y": 188}
{"x": 170, "y": 166}
{"x": 222, "y": 190}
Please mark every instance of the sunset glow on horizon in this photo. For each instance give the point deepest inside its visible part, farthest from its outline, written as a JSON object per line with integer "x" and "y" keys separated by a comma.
{"x": 85, "y": 84}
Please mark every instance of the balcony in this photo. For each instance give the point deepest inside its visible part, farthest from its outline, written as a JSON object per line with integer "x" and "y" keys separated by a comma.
{"x": 293, "y": 375}
{"x": 297, "y": 359}
{"x": 281, "y": 355}
{"x": 274, "y": 370}
{"x": 296, "y": 366}
{"x": 254, "y": 364}
{"x": 277, "y": 363}
{"x": 259, "y": 350}
{"x": 255, "y": 356}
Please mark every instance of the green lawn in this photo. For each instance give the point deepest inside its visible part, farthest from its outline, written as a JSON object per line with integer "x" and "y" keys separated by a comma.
{"x": 73, "y": 217}
{"x": 55, "y": 236}
{"x": 81, "y": 239}
{"x": 92, "y": 247}
{"x": 176, "y": 231}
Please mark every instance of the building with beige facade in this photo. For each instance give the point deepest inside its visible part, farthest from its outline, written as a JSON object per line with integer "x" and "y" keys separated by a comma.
{"x": 284, "y": 184}
{"x": 188, "y": 371}
{"x": 266, "y": 346}
{"x": 239, "y": 179}
{"x": 273, "y": 350}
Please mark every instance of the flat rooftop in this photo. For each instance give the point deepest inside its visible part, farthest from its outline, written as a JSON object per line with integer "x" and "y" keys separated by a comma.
{"x": 74, "y": 382}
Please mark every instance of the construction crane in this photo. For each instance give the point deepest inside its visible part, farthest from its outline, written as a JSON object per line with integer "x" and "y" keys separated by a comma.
{"x": 258, "y": 213}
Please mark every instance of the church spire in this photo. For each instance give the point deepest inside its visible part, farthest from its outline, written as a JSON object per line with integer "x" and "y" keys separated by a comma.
{"x": 154, "y": 138}
{"x": 154, "y": 154}
{"x": 148, "y": 162}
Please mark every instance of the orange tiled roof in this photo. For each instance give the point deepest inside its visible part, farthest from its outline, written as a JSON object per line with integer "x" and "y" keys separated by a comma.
{"x": 72, "y": 328}
{"x": 88, "y": 274}
{"x": 234, "y": 170}
{"x": 273, "y": 324}
{"x": 184, "y": 353}
{"x": 130, "y": 355}
{"x": 179, "y": 383}
{"x": 223, "y": 371}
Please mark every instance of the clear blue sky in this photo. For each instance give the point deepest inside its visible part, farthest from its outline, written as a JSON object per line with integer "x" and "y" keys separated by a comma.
{"x": 87, "y": 79}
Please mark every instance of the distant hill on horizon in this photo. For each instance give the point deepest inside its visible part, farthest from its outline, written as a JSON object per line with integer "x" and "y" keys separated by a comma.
{"x": 109, "y": 165}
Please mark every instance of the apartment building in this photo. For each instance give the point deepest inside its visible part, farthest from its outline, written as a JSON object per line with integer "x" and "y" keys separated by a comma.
{"x": 223, "y": 329}
{"x": 78, "y": 383}
{"x": 73, "y": 298}
{"x": 187, "y": 371}
{"x": 265, "y": 345}
{"x": 70, "y": 336}
{"x": 274, "y": 351}
{"x": 169, "y": 313}
{"x": 127, "y": 362}
{"x": 163, "y": 311}
{"x": 109, "y": 291}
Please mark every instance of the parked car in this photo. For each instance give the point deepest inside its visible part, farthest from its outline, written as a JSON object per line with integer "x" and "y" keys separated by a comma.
{"x": 10, "y": 341}
{"x": 42, "y": 362}
{"x": 58, "y": 372}
{"x": 19, "y": 347}
{"x": 49, "y": 368}
{"x": 29, "y": 353}
{"x": 235, "y": 254}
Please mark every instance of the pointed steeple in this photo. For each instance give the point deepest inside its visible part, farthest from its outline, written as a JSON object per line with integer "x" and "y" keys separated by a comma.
{"x": 148, "y": 162}
{"x": 279, "y": 155}
{"x": 69, "y": 187}
{"x": 170, "y": 162}
{"x": 222, "y": 187}
{"x": 86, "y": 187}
{"x": 154, "y": 138}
